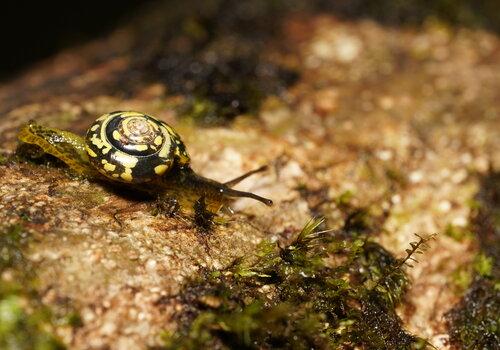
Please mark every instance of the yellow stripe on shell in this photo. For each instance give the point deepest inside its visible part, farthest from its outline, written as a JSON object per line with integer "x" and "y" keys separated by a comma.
{"x": 155, "y": 126}
{"x": 131, "y": 114}
{"x": 103, "y": 117}
{"x": 127, "y": 175}
{"x": 124, "y": 159}
{"x": 97, "y": 141}
{"x": 158, "y": 140}
{"x": 108, "y": 166}
{"x": 116, "y": 135}
{"x": 90, "y": 152}
{"x": 181, "y": 155}
{"x": 160, "y": 169}
{"x": 106, "y": 146}
{"x": 171, "y": 131}
{"x": 102, "y": 144}
{"x": 141, "y": 147}
{"x": 165, "y": 150}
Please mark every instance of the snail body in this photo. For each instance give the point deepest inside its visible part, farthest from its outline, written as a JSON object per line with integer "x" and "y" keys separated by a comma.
{"x": 139, "y": 150}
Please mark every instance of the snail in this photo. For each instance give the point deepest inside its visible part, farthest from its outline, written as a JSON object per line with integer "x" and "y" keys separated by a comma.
{"x": 139, "y": 150}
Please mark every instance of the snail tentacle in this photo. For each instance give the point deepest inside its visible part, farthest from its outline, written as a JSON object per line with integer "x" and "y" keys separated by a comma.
{"x": 240, "y": 178}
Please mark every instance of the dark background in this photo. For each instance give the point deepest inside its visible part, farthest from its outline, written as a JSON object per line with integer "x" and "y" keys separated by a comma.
{"x": 33, "y": 30}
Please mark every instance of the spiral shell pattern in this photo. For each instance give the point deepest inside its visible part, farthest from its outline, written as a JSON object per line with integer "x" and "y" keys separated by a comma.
{"x": 133, "y": 147}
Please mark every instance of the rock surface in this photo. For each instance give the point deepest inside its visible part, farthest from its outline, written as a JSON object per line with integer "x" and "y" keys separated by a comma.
{"x": 404, "y": 119}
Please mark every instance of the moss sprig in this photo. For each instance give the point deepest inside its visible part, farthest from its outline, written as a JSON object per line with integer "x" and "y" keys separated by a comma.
{"x": 318, "y": 291}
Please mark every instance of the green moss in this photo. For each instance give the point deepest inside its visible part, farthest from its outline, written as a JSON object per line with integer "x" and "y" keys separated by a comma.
{"x": 25, "y": 323}
{"x": 461, "y": 279}
{"x": 483, "y": 265}
{"x": 3, "y": 159}
{"x": 72, "y": 319}
{"x": 319, "y": 291}
{"x": 201, "y": 110}
{"x": 474, "y": 322}
{"x": 458, "y": 233}
{"x": 22, "y": 327}
{"x": 218, "y": 92}
{"x": 345, "y": 198}
{"x": 12, "y": 238}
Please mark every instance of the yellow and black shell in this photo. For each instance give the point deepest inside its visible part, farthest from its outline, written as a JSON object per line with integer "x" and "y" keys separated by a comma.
{"x": 134, "y": 147}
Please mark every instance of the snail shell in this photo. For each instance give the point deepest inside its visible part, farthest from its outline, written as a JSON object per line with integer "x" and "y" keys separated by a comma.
{"x": 134, "y": 147}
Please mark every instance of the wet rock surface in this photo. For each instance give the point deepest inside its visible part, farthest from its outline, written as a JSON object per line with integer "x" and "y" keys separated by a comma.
{"x": 350, "y": 113}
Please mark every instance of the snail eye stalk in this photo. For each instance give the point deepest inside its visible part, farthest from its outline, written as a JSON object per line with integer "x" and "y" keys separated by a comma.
{"x": 244, "y": 176}
{"x": 235, "y": 193}
{"x": 228, "y": 191}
